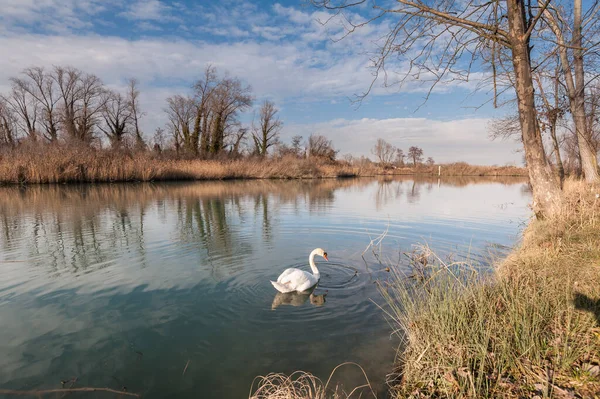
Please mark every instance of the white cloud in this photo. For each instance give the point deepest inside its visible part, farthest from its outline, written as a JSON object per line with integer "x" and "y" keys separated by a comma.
{"x": 446, "y": 141}
{"x": 52, "y": 15}
{"x": 147, "y": 10}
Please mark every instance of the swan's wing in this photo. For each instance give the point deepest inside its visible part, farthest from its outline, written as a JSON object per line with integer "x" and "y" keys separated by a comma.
{"x": 299, "y": 280}
{"x": 285, "y": 274}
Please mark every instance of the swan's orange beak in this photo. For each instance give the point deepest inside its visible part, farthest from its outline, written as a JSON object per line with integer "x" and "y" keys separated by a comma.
{"x": 325, "y": 256}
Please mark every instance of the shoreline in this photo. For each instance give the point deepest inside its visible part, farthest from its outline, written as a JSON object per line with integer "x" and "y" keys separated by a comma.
{"x": 85, "y": 165}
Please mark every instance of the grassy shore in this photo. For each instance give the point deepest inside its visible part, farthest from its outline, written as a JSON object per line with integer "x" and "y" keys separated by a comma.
{"x": 71, "y": 164}
{"x": 529, "y": 330}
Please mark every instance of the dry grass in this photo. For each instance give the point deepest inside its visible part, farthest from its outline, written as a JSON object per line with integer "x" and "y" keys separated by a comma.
{"x": 531, "y": 329}
{"x": 71, "y": 164}
{"x": 459, "y": 169}
{"x": 304, "y": 385}
{"x": 64, "y": 164}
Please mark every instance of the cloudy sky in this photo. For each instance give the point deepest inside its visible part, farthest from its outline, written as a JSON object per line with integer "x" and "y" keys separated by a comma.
{"x": 280, "y": 48}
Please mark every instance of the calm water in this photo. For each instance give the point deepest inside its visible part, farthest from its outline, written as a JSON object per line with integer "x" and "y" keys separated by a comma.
{"x": 125, "y": 285}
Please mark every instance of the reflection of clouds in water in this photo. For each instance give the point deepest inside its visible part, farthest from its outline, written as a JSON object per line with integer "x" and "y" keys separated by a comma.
{"x": 175, "y": 235}
{"x": 180, "y": 271}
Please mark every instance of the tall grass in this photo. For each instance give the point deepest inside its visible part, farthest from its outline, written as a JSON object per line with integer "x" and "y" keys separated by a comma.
{"x": 31, "y": 163}
{"x": 70, "y": 164}
{"x": 459, "y": 169}
{"x": 530, "y": 329}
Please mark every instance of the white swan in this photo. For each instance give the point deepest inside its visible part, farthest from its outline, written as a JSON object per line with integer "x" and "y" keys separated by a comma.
{"x": 293, "y": 279}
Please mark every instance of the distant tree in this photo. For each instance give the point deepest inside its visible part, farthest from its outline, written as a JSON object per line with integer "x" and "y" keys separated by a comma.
{"x": 320, "y": 147}
{"x": 117, "y": 116}
{"x": 159, "y": 139}
{"x": 230, "y": 97}
{"x": 180, "y": 111}
{"x": 266, "y": 134}
{"x": 430, "y": 161}
{"x": 297, "y": 145}
{"x": 8, "y": 125}
{"x": 133, "y": 95}
{"x": 204, "y": 90}
{"x": 42, "y": 88}
{"x": 238, "y": 141}
{"x": 24, "y": 107}
{"x": 384, "y": 152}
{"x": 416, "y": 154}
{"x": 399, "y": 157}
{"x": 82, "y": 98}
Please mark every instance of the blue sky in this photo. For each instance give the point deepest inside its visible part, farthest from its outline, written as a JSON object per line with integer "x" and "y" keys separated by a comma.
{"x": 279, "y": 48}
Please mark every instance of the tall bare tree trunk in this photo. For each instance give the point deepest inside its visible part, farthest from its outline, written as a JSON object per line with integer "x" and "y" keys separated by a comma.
{"x": 589, "y": 162}
{"x": 559, "y": 164}
{"x": 576, "y": 89}
{"x": 546, "y": 192}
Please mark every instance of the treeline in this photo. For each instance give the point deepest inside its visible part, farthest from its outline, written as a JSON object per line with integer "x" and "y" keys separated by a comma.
{"x": 67, "y": 105}
{"x": 389, "y": 155}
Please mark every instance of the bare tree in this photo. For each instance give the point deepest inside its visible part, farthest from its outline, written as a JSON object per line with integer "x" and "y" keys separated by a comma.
{"x": 434, "y": 39}
{"x": 572, "y": 54}
{"x": 416, "y": 154}
{"x": 89, "y": 107}
{"x": 296, "y": 146}
{"x": 117, "y": 115}
{"x": 203, "y": 91}
{"x": 230, "y": 97}
{"x": 320, "y": 147}
{"x": 133, "y": 95}
{"x": 158, "y": 140}
{"x": 399, "y": 161}
{"x": 81, "y": 97}
{"x": 180, "y": 111}
{"x": 384, "y": 151}
{"x": 8, "y": 124}
{"x": 238, "y": 140}
{"x": 67, "y": 82}
{"x": 430, "y": 161}
{"x": 550, "y": 112}
{"x": 24, "y": 106}
{"x": 40, "y": 85}
{"x": 266, "y": 134}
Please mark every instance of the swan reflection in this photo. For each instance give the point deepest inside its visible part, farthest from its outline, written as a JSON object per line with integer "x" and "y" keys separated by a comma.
{"x": 297, "y": 299}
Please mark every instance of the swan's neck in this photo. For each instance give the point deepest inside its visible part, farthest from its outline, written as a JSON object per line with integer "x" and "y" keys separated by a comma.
{"x": 311, "y": 262}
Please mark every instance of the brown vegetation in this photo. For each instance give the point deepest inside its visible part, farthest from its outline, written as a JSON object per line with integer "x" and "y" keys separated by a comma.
{"x": 57, "y": 164}
{"x": 459, "y": 169}
{"x": 76, "y": 164}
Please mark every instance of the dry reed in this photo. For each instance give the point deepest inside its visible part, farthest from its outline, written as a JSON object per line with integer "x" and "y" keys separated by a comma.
{"x": 71, "y": 164}
{"x": 304, "y": 385}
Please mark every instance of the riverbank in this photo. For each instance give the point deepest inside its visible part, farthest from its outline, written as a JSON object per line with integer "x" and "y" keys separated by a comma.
{"x": 64, "y": 164}
{"x": 531, "y": 330}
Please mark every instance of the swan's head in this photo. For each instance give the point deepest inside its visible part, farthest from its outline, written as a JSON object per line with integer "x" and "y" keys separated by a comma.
{"x": 321, "y": 252}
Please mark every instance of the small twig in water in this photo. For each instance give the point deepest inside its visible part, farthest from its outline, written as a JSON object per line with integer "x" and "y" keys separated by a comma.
{"x": 185, "y": 368}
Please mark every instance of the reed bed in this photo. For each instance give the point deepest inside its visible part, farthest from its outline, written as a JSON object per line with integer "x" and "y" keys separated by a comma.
{"x": 75, "y": 164}
{"x": 529, "y": 330}
{"x": 66, "y": 164}
{"x": 459, "y": 169}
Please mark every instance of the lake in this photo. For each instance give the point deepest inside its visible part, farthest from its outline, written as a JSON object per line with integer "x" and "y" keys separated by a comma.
{"x": 164, "y": 288}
